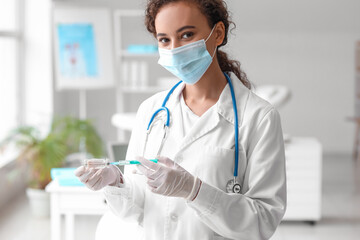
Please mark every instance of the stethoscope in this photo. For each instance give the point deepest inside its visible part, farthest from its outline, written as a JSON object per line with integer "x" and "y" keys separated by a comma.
{"x": 232, "y": 185}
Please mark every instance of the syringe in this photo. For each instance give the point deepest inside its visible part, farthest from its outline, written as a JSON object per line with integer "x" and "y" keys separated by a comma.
{"x": 100, "y": 163}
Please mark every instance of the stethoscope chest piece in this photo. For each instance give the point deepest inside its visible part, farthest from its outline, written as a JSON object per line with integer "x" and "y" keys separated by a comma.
{"x": 233, "y": 186}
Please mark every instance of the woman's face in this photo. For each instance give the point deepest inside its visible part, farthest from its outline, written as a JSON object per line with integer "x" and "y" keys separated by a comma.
{"x": 180, "y": 23}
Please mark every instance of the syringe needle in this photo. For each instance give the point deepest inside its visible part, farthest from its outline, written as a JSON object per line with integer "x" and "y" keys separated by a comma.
{"x": 100, "y": 163}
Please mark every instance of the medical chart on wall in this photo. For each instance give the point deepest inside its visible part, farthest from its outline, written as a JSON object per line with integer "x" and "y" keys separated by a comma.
{"x": 83, "y": 48}
{"x": 77, "y": 51}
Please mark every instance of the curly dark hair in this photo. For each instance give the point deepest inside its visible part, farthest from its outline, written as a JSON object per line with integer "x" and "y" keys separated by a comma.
{"x": 215, "y": 11}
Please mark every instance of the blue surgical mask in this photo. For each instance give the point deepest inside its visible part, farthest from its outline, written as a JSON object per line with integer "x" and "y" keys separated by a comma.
{"x": 188, "y": 62}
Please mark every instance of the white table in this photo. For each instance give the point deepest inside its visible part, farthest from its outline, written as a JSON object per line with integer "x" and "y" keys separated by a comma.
{"x": 71, "y": 201}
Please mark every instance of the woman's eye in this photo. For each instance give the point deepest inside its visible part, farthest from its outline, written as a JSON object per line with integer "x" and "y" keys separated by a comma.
{"x": 163, "y": 40}
{"x": 187, "y": 35}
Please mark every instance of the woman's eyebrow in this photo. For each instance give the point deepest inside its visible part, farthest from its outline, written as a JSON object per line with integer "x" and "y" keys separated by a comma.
{"x": 179, "y": 30}
{"x": 184, "y": 27}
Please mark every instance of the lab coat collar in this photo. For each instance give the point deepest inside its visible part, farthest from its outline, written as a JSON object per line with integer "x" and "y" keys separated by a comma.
{"x": 208, "y": 121}
{"x": 225, "y": 103}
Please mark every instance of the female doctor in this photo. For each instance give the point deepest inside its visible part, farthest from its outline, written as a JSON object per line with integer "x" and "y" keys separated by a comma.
{"x": 221, "y": 162}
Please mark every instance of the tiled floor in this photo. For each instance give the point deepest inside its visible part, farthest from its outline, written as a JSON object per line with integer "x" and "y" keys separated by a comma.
{"x": 340, "y": 210}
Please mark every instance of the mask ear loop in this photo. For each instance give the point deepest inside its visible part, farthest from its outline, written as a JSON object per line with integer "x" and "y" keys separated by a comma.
{"x": 210, "y": 33}
{"x": 214, "y": 52}
{"x": 208, "y": 39}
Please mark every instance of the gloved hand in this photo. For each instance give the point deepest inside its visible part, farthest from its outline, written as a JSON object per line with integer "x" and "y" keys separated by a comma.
{"x": 97, "y": 178}
{"x": 168, "y": 178}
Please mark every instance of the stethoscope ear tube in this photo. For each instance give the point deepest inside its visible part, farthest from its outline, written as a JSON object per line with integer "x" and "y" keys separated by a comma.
{"x": 167, "y": 123}
{"x": 169, "y": 93}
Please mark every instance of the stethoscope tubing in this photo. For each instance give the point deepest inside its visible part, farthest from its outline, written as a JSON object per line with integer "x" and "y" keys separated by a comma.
{"x": 236, "y": 127}
{"x": 170, "y": 92}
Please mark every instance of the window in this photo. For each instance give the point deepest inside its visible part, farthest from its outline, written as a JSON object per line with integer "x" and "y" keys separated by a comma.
{"x": 8, "y": 85}
{"x": 10, "y": 65}
{"x": 8, "y": 15}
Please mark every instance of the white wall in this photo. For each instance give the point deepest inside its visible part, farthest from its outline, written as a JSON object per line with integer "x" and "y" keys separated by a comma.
{"x": 309, "y": 47}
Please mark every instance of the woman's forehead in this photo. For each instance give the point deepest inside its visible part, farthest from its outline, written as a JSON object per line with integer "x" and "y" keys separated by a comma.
{"x": 173, "y": 16}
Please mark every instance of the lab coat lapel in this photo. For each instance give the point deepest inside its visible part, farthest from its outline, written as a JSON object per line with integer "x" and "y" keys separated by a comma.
{"x": 223, "y": 108}
{"x": 205, "y": 124}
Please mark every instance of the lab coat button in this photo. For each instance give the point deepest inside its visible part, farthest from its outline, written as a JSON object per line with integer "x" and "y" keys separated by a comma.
{"x": 174, "y": 217}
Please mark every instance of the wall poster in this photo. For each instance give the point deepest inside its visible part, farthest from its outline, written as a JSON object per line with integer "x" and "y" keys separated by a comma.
{"x": 83, "y": 49}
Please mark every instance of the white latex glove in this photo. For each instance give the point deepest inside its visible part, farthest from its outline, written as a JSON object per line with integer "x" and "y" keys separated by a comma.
{"x": 168, "y": 178}
{"x": 97, "y": 178}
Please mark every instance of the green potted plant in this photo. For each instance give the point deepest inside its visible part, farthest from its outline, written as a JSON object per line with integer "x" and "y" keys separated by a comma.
{"x": 78, "y": 135}
{"x": 41, "y": 154}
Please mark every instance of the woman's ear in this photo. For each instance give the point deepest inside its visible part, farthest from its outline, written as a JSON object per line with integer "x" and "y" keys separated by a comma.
{"x": 219, "y": 33}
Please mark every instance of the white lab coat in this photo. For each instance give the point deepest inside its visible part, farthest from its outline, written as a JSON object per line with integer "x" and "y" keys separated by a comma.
{"x": 207, "y": 152}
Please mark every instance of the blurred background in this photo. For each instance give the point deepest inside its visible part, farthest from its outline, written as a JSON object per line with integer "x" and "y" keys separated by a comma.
{"x": 73, "y": 73}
